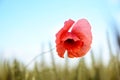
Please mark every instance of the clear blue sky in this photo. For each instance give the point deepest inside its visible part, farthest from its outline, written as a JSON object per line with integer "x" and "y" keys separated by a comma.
{"x": 26, "y": 24}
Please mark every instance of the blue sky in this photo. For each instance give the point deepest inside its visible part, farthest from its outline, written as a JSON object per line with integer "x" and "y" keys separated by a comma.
{"x": 26, "y": 24}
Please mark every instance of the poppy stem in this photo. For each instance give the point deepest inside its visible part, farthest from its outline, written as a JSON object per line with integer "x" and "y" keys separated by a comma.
{"x": 38, "y": 56}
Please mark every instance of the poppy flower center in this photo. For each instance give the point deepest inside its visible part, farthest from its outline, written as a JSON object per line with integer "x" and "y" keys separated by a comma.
{"x": 69, "y": 41}
{"x": 69, "y": 44}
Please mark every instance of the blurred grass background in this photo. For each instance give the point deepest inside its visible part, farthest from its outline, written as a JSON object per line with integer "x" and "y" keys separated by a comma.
{"x": 97, "y": 70}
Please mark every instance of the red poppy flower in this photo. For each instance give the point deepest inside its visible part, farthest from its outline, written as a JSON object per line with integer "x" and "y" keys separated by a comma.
{"x": 77, "y": 42}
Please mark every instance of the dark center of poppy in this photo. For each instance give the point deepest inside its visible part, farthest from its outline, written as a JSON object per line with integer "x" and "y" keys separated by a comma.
{"x": 69, "y": 41}
{"x": 71, "y": 44}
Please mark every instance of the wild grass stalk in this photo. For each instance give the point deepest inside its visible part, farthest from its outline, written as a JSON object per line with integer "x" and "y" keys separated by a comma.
{"x": 56, "y": 77}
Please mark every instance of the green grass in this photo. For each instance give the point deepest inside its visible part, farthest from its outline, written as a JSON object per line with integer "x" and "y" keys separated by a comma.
{"x": 97, "y": 71}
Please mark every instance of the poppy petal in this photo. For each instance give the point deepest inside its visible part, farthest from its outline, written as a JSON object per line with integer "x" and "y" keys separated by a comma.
{"x": 82, "y": 29}
{"x": 84, "y": 50}
{"x": 70, "y": 55}
{"x": 69, "y": 35}
{"x": 67, "y": 25}
{"x": 60, "y": 50}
